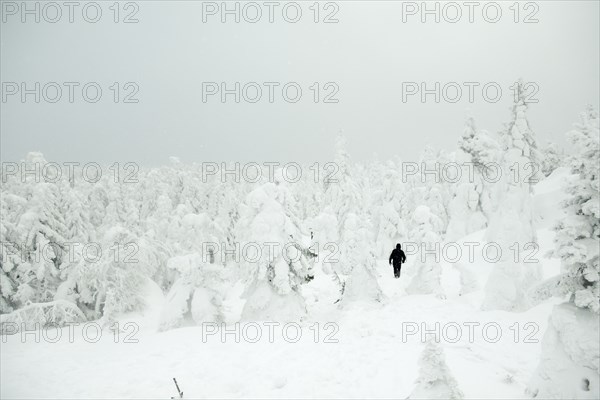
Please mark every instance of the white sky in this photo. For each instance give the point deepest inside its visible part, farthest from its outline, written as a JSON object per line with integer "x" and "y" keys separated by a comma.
{"x": 369, "y": 54}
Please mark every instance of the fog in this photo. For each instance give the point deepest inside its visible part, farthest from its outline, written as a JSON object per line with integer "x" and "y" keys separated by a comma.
{"x": 364, "y": 60}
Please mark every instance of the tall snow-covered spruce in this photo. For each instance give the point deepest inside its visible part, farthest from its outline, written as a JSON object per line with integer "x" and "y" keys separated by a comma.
{"x": 570, "y": 360}
{"x": 386, "y": 205}
{"x": 356, "y": 258}
{"x": 511, "y": 225}
{"x": 469, "y": 207}
{"x": 357, "y": 251}
{"x": 427, "y": 279}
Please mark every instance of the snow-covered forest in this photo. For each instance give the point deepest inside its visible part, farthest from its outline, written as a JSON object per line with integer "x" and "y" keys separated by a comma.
{"x": 166, "y": 263}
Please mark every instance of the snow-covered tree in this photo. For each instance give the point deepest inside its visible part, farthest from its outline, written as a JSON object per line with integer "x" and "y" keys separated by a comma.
{"x": 512, "y": 223}
{"x": 579, "y": 232}
{"x": 198, "y": 293}
{"x": 275, "y": 255}
{"x": 357, "y": 252}
{"x": 551, "y": 158}
{"x": 569, "y": 366}
{"x": 466, "y": 209}
{"x": 435, "y": 380}
{"x": 426, "y": 234}
{"x": 341, "y": 191}
{"x": 11, "y": 241}
{"x": 111, "y": 278}
{"x": 435, "y": 191}
{"x": 40, "y": 235}
{"x": 386, "y": 208}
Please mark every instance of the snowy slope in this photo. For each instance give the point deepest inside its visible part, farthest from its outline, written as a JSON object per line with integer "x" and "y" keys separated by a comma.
{"x": 375, "y": 355}
{"x": 370, "y": 360}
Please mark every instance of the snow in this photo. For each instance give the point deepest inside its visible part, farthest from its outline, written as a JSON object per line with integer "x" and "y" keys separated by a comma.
{"x": 154, "y": 301}
{"x": 549, "y": 194}
{"x": 376, "y": 355}
{"x": 283, "y": 326}
{"x": 371, "y": 360}
{"x": 569, "y": 356}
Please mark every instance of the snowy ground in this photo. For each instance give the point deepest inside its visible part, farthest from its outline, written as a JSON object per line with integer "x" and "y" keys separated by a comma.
{"x": 370, "y": 360}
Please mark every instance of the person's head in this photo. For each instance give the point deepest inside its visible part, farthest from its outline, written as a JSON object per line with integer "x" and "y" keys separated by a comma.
{"x": 398, "y": 246}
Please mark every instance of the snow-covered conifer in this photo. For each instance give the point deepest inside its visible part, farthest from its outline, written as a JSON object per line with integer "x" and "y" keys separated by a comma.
{"x": 511, "y": 225}
{"x": 435, "y": 380}
{"x": 426, "y": 234}
{"x": 275, "y": 256}
{"x": 466, "y": 209}
{"x": 569, "y": 365}
{"x": 357, "y": 252}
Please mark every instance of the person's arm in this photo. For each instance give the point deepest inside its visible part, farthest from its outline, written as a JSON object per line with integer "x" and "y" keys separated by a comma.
{"x": 403, "y": 258}
{"x": 391, "y": 256}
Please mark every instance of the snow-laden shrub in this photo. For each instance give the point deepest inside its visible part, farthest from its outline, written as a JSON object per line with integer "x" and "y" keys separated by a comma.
{"x": 435, "y": 380}
{"x": 43, "y": 315}
{"x": 570, "y": 357}
{"x": 197, "y": 294}
{"x": 552, "y": 158}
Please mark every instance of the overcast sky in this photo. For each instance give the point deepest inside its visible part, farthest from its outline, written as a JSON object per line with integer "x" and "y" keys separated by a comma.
{"x": 368, "y": 54}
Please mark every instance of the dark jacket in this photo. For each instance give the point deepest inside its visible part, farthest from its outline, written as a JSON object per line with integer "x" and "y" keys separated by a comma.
{"x": 397, "y": 257}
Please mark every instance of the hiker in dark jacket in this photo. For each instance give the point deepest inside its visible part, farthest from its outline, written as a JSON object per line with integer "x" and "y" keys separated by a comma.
{"x": 398, "y": 258}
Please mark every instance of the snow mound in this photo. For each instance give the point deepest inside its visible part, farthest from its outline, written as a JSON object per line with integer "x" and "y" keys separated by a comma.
{"x": 570, "y": 356}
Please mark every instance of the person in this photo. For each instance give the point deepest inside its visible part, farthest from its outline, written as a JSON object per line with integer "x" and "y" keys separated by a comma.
{"x": 398, "y": 258}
